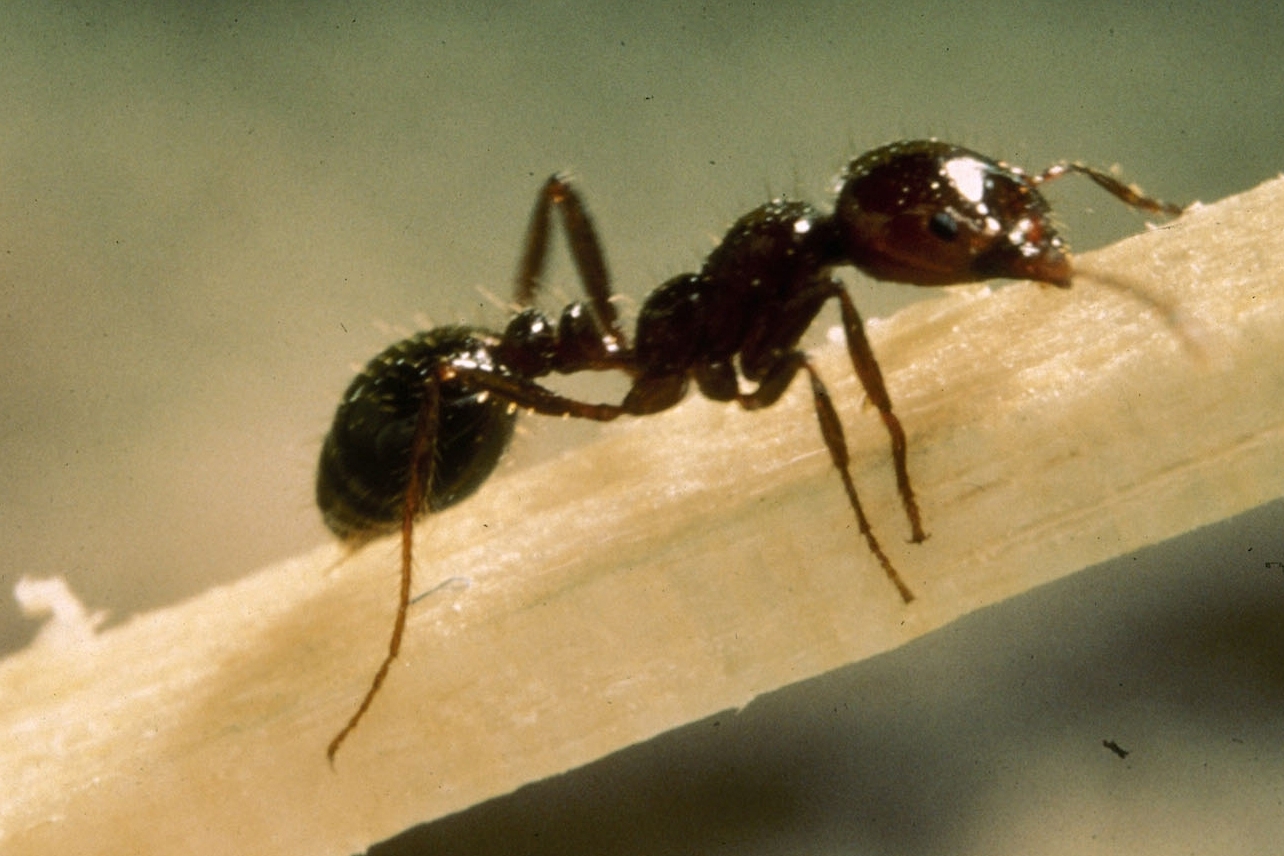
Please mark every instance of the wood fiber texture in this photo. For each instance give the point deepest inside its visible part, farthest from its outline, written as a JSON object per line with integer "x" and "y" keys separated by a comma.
{"x": 680, "y": 565}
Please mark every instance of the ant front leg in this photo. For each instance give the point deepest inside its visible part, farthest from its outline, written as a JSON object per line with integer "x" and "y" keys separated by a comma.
{"x": 422, "y": 459}
{"x": 770, "y": 389}
{"x": 586, "y": 250}
{"x": 871, "y": 378}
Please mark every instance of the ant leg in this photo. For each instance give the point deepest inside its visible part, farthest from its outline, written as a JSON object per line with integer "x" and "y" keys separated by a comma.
{"x": 423, "y": 446}
{"x": 421, "y": 471}
{"x": 531, "y": 396}
{"x": 871, "y": 378}
{"x": 586, "y": 250}
{"x": 831, "y": 429}
{"x": 1130, "y": 195}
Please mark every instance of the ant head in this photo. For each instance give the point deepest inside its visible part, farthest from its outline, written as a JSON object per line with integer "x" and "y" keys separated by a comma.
{"x": 928, "y": 213}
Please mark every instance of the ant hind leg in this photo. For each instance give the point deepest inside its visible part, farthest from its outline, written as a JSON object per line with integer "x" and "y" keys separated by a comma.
{"x": 586, "y": 250}
{"x": 422, "y": 459}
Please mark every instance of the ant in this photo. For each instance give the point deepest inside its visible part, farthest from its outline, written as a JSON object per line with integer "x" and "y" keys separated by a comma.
{"x": 426, "y": 421}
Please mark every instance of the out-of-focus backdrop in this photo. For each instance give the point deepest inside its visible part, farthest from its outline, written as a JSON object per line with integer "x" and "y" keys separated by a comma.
{"x": 209, "y": 215}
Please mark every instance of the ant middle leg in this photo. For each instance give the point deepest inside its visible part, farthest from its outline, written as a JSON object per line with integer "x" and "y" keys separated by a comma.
{"x": 539, "y": 399}
{"x": 529, "y": 395}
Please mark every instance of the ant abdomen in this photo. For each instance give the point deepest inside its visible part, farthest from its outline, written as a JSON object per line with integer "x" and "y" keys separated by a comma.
{"x": 366, "y": 459}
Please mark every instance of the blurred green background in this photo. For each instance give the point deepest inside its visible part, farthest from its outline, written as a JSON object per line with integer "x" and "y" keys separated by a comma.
{"x": 209, "y": 214}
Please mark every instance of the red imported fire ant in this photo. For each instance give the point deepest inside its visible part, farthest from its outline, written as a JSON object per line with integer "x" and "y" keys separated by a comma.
{"x": 427, "y": 420}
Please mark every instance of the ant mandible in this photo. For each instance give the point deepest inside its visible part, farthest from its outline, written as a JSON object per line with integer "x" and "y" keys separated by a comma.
{"x": 427, "y": 420}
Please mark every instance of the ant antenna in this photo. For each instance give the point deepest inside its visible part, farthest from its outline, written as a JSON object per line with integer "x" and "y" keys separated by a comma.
{"x": 1129, "y": 194}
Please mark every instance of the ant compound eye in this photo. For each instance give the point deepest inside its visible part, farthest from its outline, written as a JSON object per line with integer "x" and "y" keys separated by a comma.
{"x": 943, "y": 226}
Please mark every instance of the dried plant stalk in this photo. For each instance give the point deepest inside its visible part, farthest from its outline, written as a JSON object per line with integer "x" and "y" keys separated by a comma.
{"x": 680, "y": 565}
